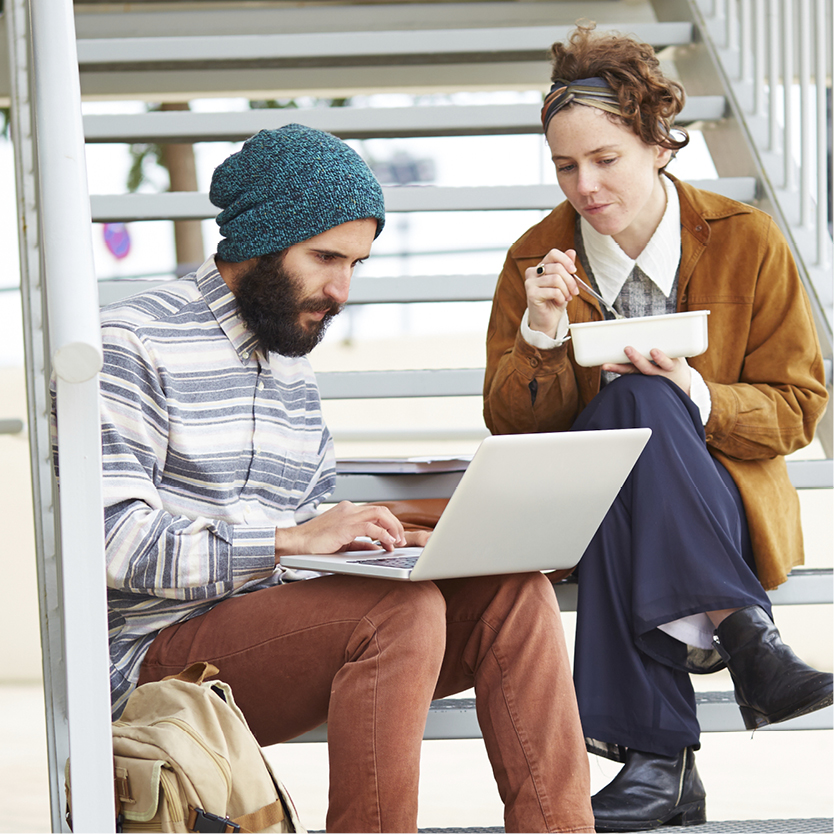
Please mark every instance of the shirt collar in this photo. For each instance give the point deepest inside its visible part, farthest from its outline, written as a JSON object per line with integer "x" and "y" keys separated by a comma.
{"x": 611, "y": 266}
{"x": 223, "y": 305}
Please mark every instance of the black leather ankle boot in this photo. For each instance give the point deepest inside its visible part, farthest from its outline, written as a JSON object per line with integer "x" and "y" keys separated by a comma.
{"x": 651, "y": 791}
{"x": 771, "y": 683}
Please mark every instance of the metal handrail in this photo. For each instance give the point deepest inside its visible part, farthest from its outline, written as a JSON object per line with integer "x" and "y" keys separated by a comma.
{"x": 72, "y": 302}
{"x": 75, "y": 337}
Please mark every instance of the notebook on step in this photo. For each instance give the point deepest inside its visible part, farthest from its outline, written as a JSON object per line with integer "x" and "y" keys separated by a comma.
{"x": 526, "y": 502}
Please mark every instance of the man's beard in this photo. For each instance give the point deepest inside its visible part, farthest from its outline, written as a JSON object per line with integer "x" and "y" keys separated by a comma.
{"x": 270, "y": 303}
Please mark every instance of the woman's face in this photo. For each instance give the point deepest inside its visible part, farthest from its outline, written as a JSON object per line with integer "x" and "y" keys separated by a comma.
{"x": 609, "y": 175}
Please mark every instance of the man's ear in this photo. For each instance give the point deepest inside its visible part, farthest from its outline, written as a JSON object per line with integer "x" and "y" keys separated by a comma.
{"x": 230, "y": 272}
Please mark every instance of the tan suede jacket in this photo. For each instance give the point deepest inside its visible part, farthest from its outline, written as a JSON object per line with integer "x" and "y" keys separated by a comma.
{"x": 763, "y": 367}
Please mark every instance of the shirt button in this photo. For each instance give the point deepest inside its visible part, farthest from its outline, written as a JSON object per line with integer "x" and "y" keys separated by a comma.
{"x": 245, "y": 354}
{"x": 260, "y": 386}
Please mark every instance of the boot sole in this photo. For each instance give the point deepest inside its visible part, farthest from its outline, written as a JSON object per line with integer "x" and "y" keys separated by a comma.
{"x": 753, "y": 720}
{"x": 693, "y": 813}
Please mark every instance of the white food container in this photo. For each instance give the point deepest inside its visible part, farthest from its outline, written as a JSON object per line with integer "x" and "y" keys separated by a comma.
{"x": 676, "y": 334}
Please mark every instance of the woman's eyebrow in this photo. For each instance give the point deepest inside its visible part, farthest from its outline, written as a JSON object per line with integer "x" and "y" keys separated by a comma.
{"x": 601, "y": 149}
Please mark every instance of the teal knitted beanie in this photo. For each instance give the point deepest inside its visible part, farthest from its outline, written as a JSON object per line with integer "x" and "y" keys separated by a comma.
{"x": 288, "y": 185}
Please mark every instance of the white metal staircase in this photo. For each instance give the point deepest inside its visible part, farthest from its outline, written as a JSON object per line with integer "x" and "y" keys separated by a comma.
{"x": 275, "y": 50}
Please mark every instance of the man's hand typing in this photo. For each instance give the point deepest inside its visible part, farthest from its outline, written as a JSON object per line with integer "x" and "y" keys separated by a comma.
{"x": 338, "y": 528}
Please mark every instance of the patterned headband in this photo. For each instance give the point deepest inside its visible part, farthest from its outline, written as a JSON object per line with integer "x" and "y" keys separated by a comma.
{"x": 594, "y": 92}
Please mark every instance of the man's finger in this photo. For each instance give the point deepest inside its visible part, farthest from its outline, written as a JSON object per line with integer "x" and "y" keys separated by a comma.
{"x": 386, "y": 520}
{"x": 358, "y": 544}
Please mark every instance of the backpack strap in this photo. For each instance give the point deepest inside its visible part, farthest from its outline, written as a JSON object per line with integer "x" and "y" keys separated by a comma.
{"x": 195, "y": 673}
{"x": 261, "y": 819}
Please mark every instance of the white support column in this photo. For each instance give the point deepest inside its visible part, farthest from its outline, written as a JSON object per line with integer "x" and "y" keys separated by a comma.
{"x": 72, "y": 299}
{"x": 75, "y": 339}
{"x": 85, "y": 609}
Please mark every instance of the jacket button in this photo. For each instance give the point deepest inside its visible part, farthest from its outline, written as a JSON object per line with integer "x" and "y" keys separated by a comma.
{"x": 534, "y": 362}
{"x": 709, "y": 438}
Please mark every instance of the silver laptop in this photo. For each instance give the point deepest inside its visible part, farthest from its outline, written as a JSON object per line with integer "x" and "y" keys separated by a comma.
{"x": 526, "y": 502}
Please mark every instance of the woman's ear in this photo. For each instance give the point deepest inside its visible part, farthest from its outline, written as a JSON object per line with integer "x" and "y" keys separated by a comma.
{"x": 664, "y": 157}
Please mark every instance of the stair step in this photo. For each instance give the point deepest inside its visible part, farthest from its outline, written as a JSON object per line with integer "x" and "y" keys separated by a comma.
{"x": 363, "y": 289}
{"x": 448, "y": 382}
{"x": 356, "y": 487}
{"x": 345, "y": 49}
{"x": 451, "y": 718}
{"x": 347, "y": 122}
{"x": 184, "y": 205}
{"x": 176, "y": 19}
{"x": 805, "y": 586}
{"x": 493, "y": 54}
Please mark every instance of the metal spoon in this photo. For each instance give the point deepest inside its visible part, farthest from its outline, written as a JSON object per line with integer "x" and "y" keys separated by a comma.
{"x": 598, "y": 297}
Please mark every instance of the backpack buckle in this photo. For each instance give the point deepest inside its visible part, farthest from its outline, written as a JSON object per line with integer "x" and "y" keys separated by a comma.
{"x": 207, "y": 823}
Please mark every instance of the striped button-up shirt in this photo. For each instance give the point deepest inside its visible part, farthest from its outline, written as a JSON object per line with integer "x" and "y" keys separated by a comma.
{"x": 208, "y": 446}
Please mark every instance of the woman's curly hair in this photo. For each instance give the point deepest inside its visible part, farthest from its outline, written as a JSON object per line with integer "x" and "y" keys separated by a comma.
{"x": 648, "y": 100}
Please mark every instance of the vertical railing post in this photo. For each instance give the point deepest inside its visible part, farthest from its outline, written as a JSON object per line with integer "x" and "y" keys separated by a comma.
{"x": 773, "y": 67}
{"x": 759, "y": 57}
{"x": 75, "y": 339}
{"x": 787, "y": 89}
{"x": 806, "y": 133}
{"x": 746, "y": 41}
{"x": 718, "y": 12}
{"x": 732, "y": 24}
{"x": 820, "y": 75}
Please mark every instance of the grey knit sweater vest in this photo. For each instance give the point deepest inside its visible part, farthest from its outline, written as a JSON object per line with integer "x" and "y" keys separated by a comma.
{"x": 639, "y": 295}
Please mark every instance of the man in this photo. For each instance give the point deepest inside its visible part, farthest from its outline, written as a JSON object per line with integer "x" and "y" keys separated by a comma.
{"x": 215, "y": 460}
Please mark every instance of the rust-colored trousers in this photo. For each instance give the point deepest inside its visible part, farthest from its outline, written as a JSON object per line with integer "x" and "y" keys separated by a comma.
{"x": 368, "y": 656}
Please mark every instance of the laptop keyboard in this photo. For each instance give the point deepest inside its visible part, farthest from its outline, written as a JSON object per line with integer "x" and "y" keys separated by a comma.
{"x": 389, "y": 561}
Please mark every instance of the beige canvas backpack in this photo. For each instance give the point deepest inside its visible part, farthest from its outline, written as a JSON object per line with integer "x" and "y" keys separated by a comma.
{"x": 186, "y": 760}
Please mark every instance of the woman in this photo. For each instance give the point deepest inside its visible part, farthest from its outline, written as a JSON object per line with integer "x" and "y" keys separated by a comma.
{"x": 674, "y": 580}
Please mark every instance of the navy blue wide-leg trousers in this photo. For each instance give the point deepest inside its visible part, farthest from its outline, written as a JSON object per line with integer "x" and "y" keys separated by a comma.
{"x": 674, "y": 543}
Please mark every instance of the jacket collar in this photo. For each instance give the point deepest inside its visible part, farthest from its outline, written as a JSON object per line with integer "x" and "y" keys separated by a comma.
{"x": 699, "y": 209}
